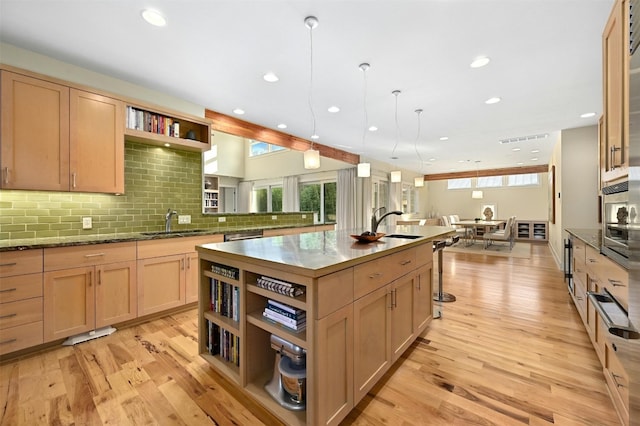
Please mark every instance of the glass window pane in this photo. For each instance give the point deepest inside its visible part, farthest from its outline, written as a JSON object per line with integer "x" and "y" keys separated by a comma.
{"x": 310, "y": 198}
{"x": 258, "y": 148}
{"x": 276, "y": 198}
{"x": 260, "y": 199}
{"x": 330, "y": 189}
{"x": 523, "y": 180}
{"x": 464, "y": 183}
{"x": 489, "y": 182}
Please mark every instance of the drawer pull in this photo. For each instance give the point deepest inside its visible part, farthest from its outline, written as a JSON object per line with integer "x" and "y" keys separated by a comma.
{"x": 592, "y": 260}
{"x": 94, "y": 255}
{"x": 9, "y": 264}
{"x": 73, "y": 178}
{"x": 7, "y": 290}
{"x": 8, "y": 316}
{"x": 616, "y": 283}
{"x": 405, "y": 262}
{"x": 615, "y": 380}
{"x": 376, "y": 275}
{"x": 6, "y": 342}
{"x": 5, "y": 174}
{"x": 579, "y": 298}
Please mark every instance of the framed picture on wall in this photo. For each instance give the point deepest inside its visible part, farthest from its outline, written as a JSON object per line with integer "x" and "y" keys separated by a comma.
{"x": 489, "y": 212}
{"x": 552, "y": 195}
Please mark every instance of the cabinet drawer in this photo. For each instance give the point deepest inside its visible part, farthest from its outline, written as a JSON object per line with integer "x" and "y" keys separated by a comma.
{"x": 424, "y": 254}
{"x": 20, "y": 287}
{"x": 609, "y": 275}
{"x": 374, "y": 274}
{"x": 95, "y": 254}
{"x": 333, "y": 292}
{"x": 617, "y": 380}
{"x": 20, "y": 262}
{"x": 20, "y": 337}
{"x": 21, "y": 312}
{"x": 170, "y": 246}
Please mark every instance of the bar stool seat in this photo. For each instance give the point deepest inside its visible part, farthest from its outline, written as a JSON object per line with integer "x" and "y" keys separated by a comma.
{"x": 439, "y": 246}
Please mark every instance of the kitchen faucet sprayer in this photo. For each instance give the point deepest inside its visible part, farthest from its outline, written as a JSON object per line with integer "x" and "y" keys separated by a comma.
{"x": 167, "y": 217}
{"x": 375, "y": 222}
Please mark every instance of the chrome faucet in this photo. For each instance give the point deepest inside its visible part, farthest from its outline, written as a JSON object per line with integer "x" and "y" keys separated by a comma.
{"x": 167, "y": 217}
{"x": 375, "y": 222}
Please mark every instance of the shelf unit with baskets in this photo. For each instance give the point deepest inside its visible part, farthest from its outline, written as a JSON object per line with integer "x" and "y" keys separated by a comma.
{"x": 532, "y": 230}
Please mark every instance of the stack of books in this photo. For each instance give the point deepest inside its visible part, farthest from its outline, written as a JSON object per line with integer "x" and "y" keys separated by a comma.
{"x": 223, "y": 343}
{"x": 292, "y": 318}
{"x": 225, "y": 299}
{"x": 279, "y": 286}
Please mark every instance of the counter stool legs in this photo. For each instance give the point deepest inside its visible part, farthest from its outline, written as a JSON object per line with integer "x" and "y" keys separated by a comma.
{"x": 441, "y": 296}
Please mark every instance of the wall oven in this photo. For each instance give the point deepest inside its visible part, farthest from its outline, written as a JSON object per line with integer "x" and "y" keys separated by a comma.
{"x": 617, "y": 215}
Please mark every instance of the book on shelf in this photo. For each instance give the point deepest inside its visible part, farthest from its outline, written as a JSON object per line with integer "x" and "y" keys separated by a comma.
{"x": 285, "y": 307}
{"x": 295, "y": 328}
{"x": 284, "y": 319}
{"x": 279, "y": 286}
{"x": 223, "y": 343}
{"x": 296, "y": 315}
{"x": 225, "y": 299}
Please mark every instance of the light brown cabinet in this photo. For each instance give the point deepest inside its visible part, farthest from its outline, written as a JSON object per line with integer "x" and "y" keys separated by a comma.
{"x": 73, "y": 138}
{"x": 614, "y": 149}
{"x": 88, "y": 287}
{"x": 20, "y": 300}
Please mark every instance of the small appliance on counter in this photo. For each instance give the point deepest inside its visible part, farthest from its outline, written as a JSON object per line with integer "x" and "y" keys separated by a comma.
{"x": 289, "y": 382}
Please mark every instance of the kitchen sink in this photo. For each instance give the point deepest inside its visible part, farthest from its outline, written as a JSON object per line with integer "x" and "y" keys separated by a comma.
{"x": 403, "y": 236}
{"x": 177, "y": 232}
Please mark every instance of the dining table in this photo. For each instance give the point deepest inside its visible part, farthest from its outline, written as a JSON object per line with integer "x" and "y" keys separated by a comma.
{"x": 472, "y": 225}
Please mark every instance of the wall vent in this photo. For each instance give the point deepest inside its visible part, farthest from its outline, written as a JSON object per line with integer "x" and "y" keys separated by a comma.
{"x": 524, "y": 138}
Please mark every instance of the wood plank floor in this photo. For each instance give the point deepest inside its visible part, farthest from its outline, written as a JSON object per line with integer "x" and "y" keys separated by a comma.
{"x": 510, "y": 351}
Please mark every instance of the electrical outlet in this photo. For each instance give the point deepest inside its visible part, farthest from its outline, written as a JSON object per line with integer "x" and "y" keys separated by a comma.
{"x": 222, "y": 219}
{"x": 274, "y": 217}
{"x": 87, "y": 223}
{"x": 184, "y": 219}
{"x": 304, "y": 216}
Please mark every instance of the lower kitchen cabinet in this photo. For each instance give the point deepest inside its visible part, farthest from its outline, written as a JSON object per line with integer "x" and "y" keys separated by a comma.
{"x": 617, "y": 381}
{"x": 402, "y": 315}
{"x": 423, "y": 298}
{"x": 81, "y": 299}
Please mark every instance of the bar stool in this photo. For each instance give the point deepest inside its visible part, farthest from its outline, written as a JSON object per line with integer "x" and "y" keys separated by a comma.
{"x": 439, "y": 246}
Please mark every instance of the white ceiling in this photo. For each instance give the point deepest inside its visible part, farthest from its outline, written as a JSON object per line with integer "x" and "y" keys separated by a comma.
{"x": 545, "y": 66}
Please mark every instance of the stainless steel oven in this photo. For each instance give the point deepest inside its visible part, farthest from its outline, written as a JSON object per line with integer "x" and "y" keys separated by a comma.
{"x": 617, "y": 214}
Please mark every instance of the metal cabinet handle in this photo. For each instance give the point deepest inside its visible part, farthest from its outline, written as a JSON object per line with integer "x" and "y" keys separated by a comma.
{"x": 5, "y": 174}
{"x": 99, "y": 276}
{"x": 592, "y": 260}
{"x": 375, "y": 275}
{"x": 615, "y": 380}
{"x": 613, "y": 164}
{"x": 405, "y": 262}
{"x": 8, "y": 316}
{"x": 6, "y": 342}
{"x": 9, "y": 264}
{"x": 7, "y": 290}
{"x": 94, "y": 255}
{"x": 182, "y": 264}
{"x": 73, "y": 179}
{"x": 188, "y": 263}
{"x": 616, "y": 283}
{"x": 90, "y": 275}
{"x": 579, "y": 298}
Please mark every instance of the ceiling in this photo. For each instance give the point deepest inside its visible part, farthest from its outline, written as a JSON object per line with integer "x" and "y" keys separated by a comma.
{"x": 545, "y": 66}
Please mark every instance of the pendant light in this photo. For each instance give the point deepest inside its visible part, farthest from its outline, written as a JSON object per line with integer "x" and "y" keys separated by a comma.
{"x": 311, "y": 156}
{"x": 477, "y": 194}
{"x": 396, "y": 175}
{"x": 418, "y": 182}
{"x": 364, "y": 169}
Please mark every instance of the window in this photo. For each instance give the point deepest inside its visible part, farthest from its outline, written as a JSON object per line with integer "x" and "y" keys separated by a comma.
{"x": 320, "y": 198}
{"x": 267, "y": 199}
{"x": 260, "y": 148}
{"x": 380, "y": 194}
{"x": 409, "y": 199}
{"x": 523, "y": 180}
{"x": 464, "y": 183}
{"x": 489, "y": 182}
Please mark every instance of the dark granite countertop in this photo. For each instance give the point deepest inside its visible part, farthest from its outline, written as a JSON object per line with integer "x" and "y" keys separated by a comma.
{"x": 592, "y": 237}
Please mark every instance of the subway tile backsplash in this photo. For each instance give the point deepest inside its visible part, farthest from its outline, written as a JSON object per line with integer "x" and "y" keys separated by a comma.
{"x": 156, "y": 179}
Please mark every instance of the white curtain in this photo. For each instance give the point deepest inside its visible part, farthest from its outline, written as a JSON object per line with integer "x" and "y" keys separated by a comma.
{"x": 290, "y": 194}
{"x": 395, "y": 201}
{"x": 244, "y": 196}
{"x": 363, "y": 215}
{"x": 346, "y": 212}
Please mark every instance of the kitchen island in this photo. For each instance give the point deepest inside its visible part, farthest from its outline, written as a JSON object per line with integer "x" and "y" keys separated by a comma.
{"x": 363, "y": 305}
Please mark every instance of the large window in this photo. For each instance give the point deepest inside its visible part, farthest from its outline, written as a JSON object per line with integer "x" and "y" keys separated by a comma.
{"x": 260, "y": 148}
{"x": 320, "y": 198}
{"x": 267, "y": 199}
{"x": 464, "y": 183}
{"x": 523, "y": 180}
{"x": 489, "y": 182}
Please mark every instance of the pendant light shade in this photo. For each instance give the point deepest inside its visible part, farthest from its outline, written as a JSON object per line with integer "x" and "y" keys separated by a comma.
{"x": 418, "y": 182}
{"x": 311, "y": 156}
{"x": 477, "y": 195}
{"x": 364, "y": 169}
{"x": 311, "y": 159}
{"x": 396, "y": 176}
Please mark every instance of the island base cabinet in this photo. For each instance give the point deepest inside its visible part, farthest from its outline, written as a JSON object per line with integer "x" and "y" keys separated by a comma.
{"x": 334, "y": 371}
{"x": 402, "y": 315}
{"x": 423, "y": 298}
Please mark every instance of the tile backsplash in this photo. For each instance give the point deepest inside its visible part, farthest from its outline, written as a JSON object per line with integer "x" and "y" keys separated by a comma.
{"x": 156, "y": 179}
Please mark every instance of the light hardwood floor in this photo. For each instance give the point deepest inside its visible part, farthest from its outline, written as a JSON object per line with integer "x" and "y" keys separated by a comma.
{"x": 510, "y": 351}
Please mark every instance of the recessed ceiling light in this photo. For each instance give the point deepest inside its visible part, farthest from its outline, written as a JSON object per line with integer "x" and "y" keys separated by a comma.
{"x": 432, "y": 159}
{"x": 167, "y": 145}
{"x": 588, "y": 115}
{"x": 535, "y": 151}
{"x": 282, "y": 126}
{"x": 444, "y": 138}
{"x": 238, "y": 111}
{"x": 270, "y": 77}
{"x": 519, "y": 163}
{"x": 333, "y": 108}
{"x": 515, "y": 149}
{"x": 480, "y": 62}
{"x": 493, "y": 100}
{"x": 315, "y": 137}
{"x": 154, "y": 17}
{"x": 534, "y": 159}
{"x": 373, "y": 129}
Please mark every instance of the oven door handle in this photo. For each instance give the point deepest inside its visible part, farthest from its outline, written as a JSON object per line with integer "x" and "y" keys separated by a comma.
{"x": 619, "y": 330}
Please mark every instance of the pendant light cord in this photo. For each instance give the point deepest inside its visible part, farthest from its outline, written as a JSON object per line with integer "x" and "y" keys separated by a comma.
{"x": 395, "y": 93}
{"x": 364, "y": 67}
{"x": 419, "y": 112}
{"x": 311, "y": 24}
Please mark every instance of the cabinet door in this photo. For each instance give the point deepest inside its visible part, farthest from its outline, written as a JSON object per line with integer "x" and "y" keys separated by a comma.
{"x": 96, "y": 143}
{"x": 193, "y": 274}
{"x": 614, "y": 51}
{"x": 372, "y": 340}
{"x": 116, "y": 293}
{"x": 423, "y": 298}
{"x": 161, "y": 283}
{"x": 334, "y": 366}
{"x": 402, "y": 315}
{"x": 35, "y": 133}
{"x": 68, "y": 302}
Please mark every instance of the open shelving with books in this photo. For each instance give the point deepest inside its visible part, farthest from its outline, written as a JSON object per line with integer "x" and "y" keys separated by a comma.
{"x": 211, "y": 194}
{"x": 157, "y": 126}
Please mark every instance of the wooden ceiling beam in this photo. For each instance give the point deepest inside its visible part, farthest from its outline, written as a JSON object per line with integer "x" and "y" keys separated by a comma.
{"x": 489, "y": 172}
{"x": 245, "y": 129}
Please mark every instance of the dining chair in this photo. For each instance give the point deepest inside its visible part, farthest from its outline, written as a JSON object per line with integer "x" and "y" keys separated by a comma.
{"x": 507, "y": 234}
{"x": 461, "y": 232}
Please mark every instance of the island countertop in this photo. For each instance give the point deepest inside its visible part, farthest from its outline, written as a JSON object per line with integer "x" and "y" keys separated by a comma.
{"x": 319, "y": 253}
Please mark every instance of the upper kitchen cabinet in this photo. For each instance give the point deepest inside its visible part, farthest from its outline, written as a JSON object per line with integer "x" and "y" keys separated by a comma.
{"x": 59, "y": 138}
{"x": 614, "y": 150}
{"x": 156, "y": 126}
